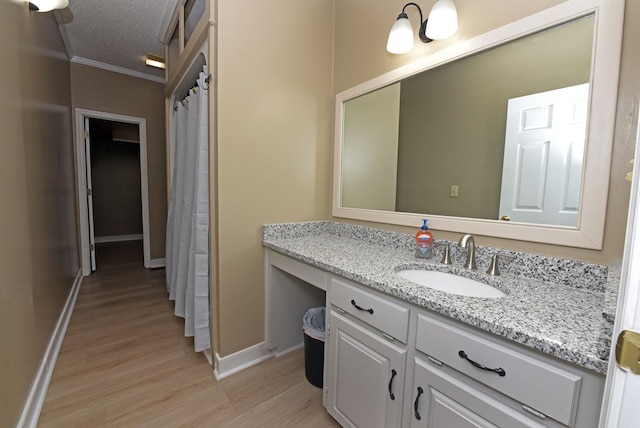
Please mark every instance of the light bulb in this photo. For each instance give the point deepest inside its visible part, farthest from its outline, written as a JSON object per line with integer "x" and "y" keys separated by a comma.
{"x": 443, "y": 20}
{"x": 401, "y": 36}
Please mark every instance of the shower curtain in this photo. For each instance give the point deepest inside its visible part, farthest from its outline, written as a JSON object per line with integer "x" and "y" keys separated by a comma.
{"x": 187, "y": 243}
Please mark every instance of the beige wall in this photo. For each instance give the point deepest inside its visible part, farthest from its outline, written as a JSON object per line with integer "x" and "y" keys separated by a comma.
{"x": 38, "y": 251}
{"x": 131, "y": 96}
{"x": 360, "y": 56}
{"x": 362, "y": 27}
{"x": 273, "y": 144}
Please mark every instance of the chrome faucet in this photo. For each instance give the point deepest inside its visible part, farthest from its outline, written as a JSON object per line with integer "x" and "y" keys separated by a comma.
{"x": 467, "y": 241}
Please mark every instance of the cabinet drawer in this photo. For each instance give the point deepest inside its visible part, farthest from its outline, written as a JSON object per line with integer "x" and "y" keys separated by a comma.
{"x": 442, "y": 400}
{"x": 386, "y": 316}
{"x": 540, "y": 386}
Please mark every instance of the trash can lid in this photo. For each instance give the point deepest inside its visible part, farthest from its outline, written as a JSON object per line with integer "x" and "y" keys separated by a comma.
{"x": 313, "y": 323}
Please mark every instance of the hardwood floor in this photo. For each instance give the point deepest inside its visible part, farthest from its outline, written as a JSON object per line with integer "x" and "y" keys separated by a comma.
{"x": 125, "y": 363}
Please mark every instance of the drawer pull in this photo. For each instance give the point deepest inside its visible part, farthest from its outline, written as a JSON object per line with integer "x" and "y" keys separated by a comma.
{"x": 434, "y": 361}
{"x": 534, "y": 412}
{"x": 415, "y": 404}
{"x": 353, "y": 302}
{"x": 393, "y": 374}
{"x": 389, "y": 338}
{"x": 499, "y": 371}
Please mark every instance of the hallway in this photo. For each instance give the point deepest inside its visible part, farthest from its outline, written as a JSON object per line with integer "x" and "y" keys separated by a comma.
{"x": 124, "y": 362}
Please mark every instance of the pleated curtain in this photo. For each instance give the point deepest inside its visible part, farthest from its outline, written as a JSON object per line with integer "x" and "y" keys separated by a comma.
{"x": 187, "y": 240}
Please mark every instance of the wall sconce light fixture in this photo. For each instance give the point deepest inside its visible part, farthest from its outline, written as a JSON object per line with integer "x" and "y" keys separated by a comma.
{"x": 154, "y": 61}
{"x": 47, "y": 5}
{"x": 441, "y": 23}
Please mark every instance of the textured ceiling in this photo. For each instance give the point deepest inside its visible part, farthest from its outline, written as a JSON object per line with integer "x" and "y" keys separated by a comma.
{"x": 116, "y": 33}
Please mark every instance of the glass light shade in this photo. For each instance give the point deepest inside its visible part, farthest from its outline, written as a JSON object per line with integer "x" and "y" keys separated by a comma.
{"x": 400, "y": 37}
{"x": 443, "y": 20}
{"x": 47, "y": 5}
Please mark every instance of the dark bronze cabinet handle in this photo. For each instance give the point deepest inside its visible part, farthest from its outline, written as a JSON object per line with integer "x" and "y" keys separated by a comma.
{"x": 353, "y": 302}
{"x": 393, "y": 374}
{"x": 415, "y": 404}
{"x": 499, "y": 371}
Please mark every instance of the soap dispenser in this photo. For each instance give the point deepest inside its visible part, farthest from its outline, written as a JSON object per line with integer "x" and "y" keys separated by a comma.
{"x": 424, "y": 242}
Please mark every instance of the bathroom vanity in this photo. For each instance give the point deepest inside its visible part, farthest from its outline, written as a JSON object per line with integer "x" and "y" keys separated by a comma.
{"x": 399, "y": 354}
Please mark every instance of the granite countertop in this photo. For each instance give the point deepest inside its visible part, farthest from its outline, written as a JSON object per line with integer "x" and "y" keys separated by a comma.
{"x": 562, "y": 307}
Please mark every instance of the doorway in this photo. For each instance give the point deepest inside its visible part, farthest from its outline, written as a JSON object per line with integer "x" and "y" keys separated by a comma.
{"x": 131, "y": 130}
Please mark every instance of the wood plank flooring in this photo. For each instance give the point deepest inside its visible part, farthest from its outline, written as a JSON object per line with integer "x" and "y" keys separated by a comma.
{"x": 125, "y": 363}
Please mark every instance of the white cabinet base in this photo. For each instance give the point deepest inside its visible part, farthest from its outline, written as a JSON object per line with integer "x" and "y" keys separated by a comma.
{"x": 380, "y": 350}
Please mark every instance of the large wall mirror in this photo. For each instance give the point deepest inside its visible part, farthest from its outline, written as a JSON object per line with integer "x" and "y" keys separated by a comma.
{"x": 507, "y": 135}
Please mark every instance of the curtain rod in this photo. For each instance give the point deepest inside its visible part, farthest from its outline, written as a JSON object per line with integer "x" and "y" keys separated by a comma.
{"x": 193, "y": 88}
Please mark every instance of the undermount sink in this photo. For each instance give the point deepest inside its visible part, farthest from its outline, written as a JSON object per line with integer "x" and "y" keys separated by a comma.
{"x": 450, "y": 283}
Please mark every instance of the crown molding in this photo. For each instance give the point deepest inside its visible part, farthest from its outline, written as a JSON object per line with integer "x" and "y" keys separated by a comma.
{"x": 116, "y": 69}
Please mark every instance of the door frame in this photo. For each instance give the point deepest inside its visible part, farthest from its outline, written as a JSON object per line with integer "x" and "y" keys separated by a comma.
{"x": 622, "y": 388}
{"x": 81, "y": 180}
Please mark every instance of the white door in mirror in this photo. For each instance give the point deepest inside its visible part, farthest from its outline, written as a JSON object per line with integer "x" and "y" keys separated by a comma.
{"x": 543, "y": 156}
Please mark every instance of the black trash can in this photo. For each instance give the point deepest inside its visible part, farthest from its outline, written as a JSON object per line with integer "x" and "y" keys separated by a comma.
{"x": 313, "y": 328}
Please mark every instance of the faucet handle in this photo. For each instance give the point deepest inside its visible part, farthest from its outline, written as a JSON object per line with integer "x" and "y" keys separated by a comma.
{"x": 446, "y": 257}
{"x": 493, "y": 268}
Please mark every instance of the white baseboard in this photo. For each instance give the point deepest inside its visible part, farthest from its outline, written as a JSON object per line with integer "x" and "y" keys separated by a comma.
{"x": 207, "y": 354}
{"x": 157, "y": 263}
{"x": 226, "y": 366}
{"x": 285, "y": 352}
{"x": 38, "y": 391}
{"x": 118, "y": 238}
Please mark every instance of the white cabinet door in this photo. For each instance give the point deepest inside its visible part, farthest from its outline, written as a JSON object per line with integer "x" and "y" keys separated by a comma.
{"x": 441, "y": 400}
{"x": 365, "y": 376}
